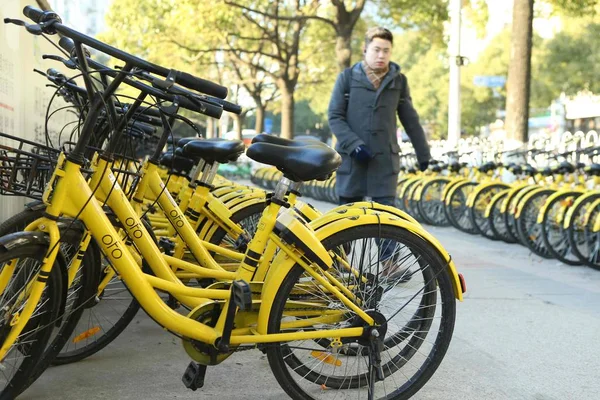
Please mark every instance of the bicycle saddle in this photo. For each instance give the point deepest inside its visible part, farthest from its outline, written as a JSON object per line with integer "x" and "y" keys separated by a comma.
{"x": 214, "y": 150}
{"x": 183, "y": 141}
{"x": 516, "y": 169}
{"x": 299, "y": 164}
{"x": 593, "y": 169}
{"x": 263, "y": 138}
{"x": 454, "y": 166}
{"x": 565, "y": 168}
{"x": 178, "y": 164}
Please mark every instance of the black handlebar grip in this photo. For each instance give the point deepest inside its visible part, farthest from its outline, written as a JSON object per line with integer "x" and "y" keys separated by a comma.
{"x": 202, "y": 107}
{"x": 201, "y": 85}
{"x": 231, "y": 107}
{"x": 34, "y": 14}
{"x": 54, "y": 73}
{"x": 67, "y": 44}
{"x": 146, "y": 129}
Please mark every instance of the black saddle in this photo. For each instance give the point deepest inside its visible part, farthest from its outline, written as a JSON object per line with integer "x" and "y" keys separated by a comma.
{"x": 214, "y": 150}
{"x": 593, "y": 169}
{"x": 264, "y": 138}
{"x": 183, "y": 141}
{"x": 299, "y": 164}
{"x": 565, "y": 168}
{"x": 178, "y": 164}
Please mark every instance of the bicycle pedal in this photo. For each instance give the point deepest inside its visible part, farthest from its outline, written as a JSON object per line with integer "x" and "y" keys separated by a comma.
{"x": 193, "y": 377}
{"x": 241, "y": 244}
{"x": 241, "y": 295}
{"x": 166, "y": 245}
{"x": 173, "y": 303}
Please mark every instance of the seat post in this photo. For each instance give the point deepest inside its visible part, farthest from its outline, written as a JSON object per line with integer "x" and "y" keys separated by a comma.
{"x": 195, "y": 175}
{"x": 209, "y": 173}
{"x": 295, "y": 186}
{"x": 282, "y": 188}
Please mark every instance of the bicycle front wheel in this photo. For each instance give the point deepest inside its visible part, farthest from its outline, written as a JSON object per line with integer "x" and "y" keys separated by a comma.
{"x": 23, "y": 357}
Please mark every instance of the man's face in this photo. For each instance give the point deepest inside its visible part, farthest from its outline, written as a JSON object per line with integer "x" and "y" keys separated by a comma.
{"x": 378, "y": 53}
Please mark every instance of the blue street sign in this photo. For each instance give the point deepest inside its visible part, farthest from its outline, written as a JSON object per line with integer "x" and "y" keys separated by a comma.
{"x": 268, "y": 125}
{"x": 489, "y": 81}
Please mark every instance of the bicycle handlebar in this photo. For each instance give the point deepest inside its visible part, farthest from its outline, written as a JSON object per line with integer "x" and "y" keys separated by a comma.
{"x": 210, "y": 106}
{"x": 54, "y": 23}
{"x": 197, "y": 106}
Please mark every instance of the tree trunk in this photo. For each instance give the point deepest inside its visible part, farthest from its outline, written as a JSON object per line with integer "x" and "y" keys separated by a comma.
{"x": 343, "y": 48}
{"x": 238, "y": 121}
{"x": 223, "y": 124}
{"x": 210, "y": 127}
{"x": 519, "y": 71}
{"x": 44, "y": 5}
{"x": 287, "y": 113}
{"x": 259, "y": 125}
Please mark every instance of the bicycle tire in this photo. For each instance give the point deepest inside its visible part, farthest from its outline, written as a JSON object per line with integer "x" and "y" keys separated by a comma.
{"x": 279, "y": 354}
{"x": 41, "y": 323}
{"x": 561, "y": 248}
{"x": 480, "y": 223}
{"x": 528, "y": 229}
{"x": 432, "y": 211}
{"x": 497, "y": 221}
{"x": 584, "y": 237}
{"x": 457, "y": 209}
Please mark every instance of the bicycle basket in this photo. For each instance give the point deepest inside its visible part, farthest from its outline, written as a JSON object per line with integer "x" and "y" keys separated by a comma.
{"x": 25, "y": 166}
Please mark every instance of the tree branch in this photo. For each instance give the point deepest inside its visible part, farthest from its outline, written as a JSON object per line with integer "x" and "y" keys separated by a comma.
{"x": 281, "y": 17}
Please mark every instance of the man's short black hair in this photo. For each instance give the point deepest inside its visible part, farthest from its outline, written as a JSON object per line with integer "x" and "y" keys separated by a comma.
{"x": 378, "y": 32}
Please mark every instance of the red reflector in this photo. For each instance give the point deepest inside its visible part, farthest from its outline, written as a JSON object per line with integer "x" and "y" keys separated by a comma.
{"x": 463, "y": 283}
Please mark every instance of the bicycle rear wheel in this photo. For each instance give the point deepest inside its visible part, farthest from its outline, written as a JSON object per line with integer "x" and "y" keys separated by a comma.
{"x": 553, "y": 232}
{"x": 420, "y": 314}
{"x": 529, "y": 231}
{"x": 457, "y": 211}
{"x": 582, "y": 241}
{"x": 480, "y": 203}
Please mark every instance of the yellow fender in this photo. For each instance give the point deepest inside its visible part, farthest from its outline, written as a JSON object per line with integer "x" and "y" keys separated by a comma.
{"x": 569, "y": 217}
{"x": 416, "y": 195}
{"x": 419, "y": 193}
{"x": 523, "y": 199}
{"x": 283, "y": 263}
{"x": 209, "y": 227}
{"x": 407, "y": 184}
{"x": 453, "y": 189}
{"x": 306, "y": 211}
{"x": 588, "y": 215}
{"x": 544, "y": 207}
{"x": 367, "y": 205}
{"x": 488, "y": 209}
{"x": 417, "y": 187}
{"x": 448, "y": 189}
{"x": 241, "y": 197}
{"x": 479, "y": 188}
{"x": 224, "y": 190}
{"x": 511, "y": 194}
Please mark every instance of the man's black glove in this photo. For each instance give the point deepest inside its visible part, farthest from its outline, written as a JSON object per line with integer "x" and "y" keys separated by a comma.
{"x": 423, "y": 165}
{"x": 362, "y": 154}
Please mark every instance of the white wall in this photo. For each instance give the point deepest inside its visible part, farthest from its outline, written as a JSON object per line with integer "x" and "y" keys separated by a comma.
{"x": 23, "y": 95}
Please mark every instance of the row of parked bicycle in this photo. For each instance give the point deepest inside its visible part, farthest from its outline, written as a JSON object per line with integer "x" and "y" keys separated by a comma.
{"x": 358, "y": 302}
{"x": 554, "y": 211}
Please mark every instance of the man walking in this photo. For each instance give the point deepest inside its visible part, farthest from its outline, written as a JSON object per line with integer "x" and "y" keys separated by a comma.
{"x": 362, "y": 115}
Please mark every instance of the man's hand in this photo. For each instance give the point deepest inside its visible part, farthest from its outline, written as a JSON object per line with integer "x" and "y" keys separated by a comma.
{"x": 362, "y": 154}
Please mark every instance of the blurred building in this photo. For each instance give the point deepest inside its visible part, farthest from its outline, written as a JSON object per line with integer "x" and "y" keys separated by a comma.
{"x": 83, "y": 15}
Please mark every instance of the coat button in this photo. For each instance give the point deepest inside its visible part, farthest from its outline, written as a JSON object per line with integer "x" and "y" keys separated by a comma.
{"x": 374, "y": 133}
